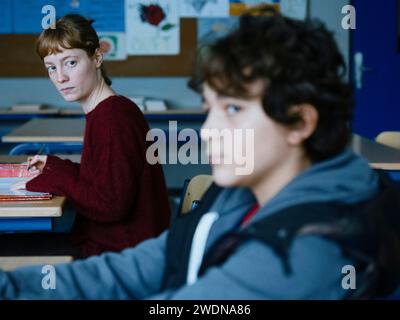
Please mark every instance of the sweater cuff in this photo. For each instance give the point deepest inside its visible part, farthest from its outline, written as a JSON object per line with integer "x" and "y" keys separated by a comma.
{"x": 41, "y": 183}
{"x": 55, "y": 164}
{"x": 54, "y": 172}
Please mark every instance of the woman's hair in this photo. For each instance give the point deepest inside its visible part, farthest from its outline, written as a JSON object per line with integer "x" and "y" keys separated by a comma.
{"x": 72, "y": 32}
{"x": 298, "y": 62}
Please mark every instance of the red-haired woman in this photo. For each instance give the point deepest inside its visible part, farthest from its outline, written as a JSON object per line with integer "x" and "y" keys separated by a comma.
{"x": 120, "y": 199}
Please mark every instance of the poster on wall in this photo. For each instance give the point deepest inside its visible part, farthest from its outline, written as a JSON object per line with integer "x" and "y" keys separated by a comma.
{"x": 26, "y": 15}
{"x": 204, "y": 8}
{"x": 152, "y": 27}
{"x": 5, "y": 16}
{"x": 64, "y": 7}
{"x": 108, "y": 15}
{"x": 113, "y": 45}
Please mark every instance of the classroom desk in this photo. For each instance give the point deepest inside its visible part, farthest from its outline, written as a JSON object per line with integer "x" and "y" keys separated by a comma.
{"x": 15, "y": 112}
{"x": 72, "y": 129}
{"x": 47, "y": 130}
{"x": 39, "y": 209}
{"x": 28, "y": 215}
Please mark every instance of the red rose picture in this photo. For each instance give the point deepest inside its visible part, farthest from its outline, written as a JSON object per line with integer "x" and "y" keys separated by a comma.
{"x": 152, "y": 14}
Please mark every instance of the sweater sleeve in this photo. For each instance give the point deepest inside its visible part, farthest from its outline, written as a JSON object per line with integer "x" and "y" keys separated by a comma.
{"x": 119, "y": 163}
{"x": 60, "y": 165}
{"x": 132, "y": 274}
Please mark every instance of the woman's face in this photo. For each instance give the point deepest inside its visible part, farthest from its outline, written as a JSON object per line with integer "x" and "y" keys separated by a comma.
{"x": 263, "y": 143}
{"x": 73, "y": 73}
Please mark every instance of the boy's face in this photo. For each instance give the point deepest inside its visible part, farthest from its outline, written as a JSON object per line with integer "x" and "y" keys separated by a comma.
{"x": 258, "y": 146}
{"x": 73, "y": 73}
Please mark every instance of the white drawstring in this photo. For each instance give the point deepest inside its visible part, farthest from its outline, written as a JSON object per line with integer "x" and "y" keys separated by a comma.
{"x": 198, "y": 245}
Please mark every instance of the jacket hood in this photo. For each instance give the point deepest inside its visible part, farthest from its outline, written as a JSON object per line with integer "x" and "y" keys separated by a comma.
{"x": 344, "y": 179}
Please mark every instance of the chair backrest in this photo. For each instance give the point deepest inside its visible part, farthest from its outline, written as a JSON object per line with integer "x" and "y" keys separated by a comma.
{"x": 389, "y": 138}
{"x": 197, "y": 186}
{"x": 11, "y": 263}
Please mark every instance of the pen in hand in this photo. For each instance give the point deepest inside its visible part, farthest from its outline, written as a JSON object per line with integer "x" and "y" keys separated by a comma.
{"x": 38, "y": 153}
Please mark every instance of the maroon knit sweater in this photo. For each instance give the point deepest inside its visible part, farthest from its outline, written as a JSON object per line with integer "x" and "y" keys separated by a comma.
{"x": 119, "y": 197}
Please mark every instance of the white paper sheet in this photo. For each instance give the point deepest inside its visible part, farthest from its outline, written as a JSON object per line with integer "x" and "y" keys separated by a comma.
{"x": 152, "y": 27}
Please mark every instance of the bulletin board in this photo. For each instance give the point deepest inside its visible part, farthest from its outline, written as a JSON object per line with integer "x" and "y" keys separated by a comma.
{"x": 18, "y": 57}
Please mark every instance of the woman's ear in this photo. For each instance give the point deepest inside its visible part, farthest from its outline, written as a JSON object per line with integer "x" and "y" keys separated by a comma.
{"x": 98, "y": 57}
{"x": 305, "y": 127}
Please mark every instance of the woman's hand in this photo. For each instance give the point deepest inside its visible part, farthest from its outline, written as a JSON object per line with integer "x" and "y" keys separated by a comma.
{"x": 36, "y": 164}
{"x": 35, "y": 167}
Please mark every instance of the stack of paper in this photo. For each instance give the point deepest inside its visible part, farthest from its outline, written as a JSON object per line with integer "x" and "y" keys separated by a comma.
{"x": 13, "y": 173}
{"x": 155, "y": 105}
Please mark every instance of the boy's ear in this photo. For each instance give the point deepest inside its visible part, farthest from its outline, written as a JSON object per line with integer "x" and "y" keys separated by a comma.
{"x": 305, "y": 127}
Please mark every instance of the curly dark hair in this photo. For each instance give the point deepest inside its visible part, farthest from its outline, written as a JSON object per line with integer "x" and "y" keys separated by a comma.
{"x": 299, "y": 62}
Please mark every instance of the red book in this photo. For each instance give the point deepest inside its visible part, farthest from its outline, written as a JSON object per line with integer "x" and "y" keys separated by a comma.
{"x": 12, "y": 173}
